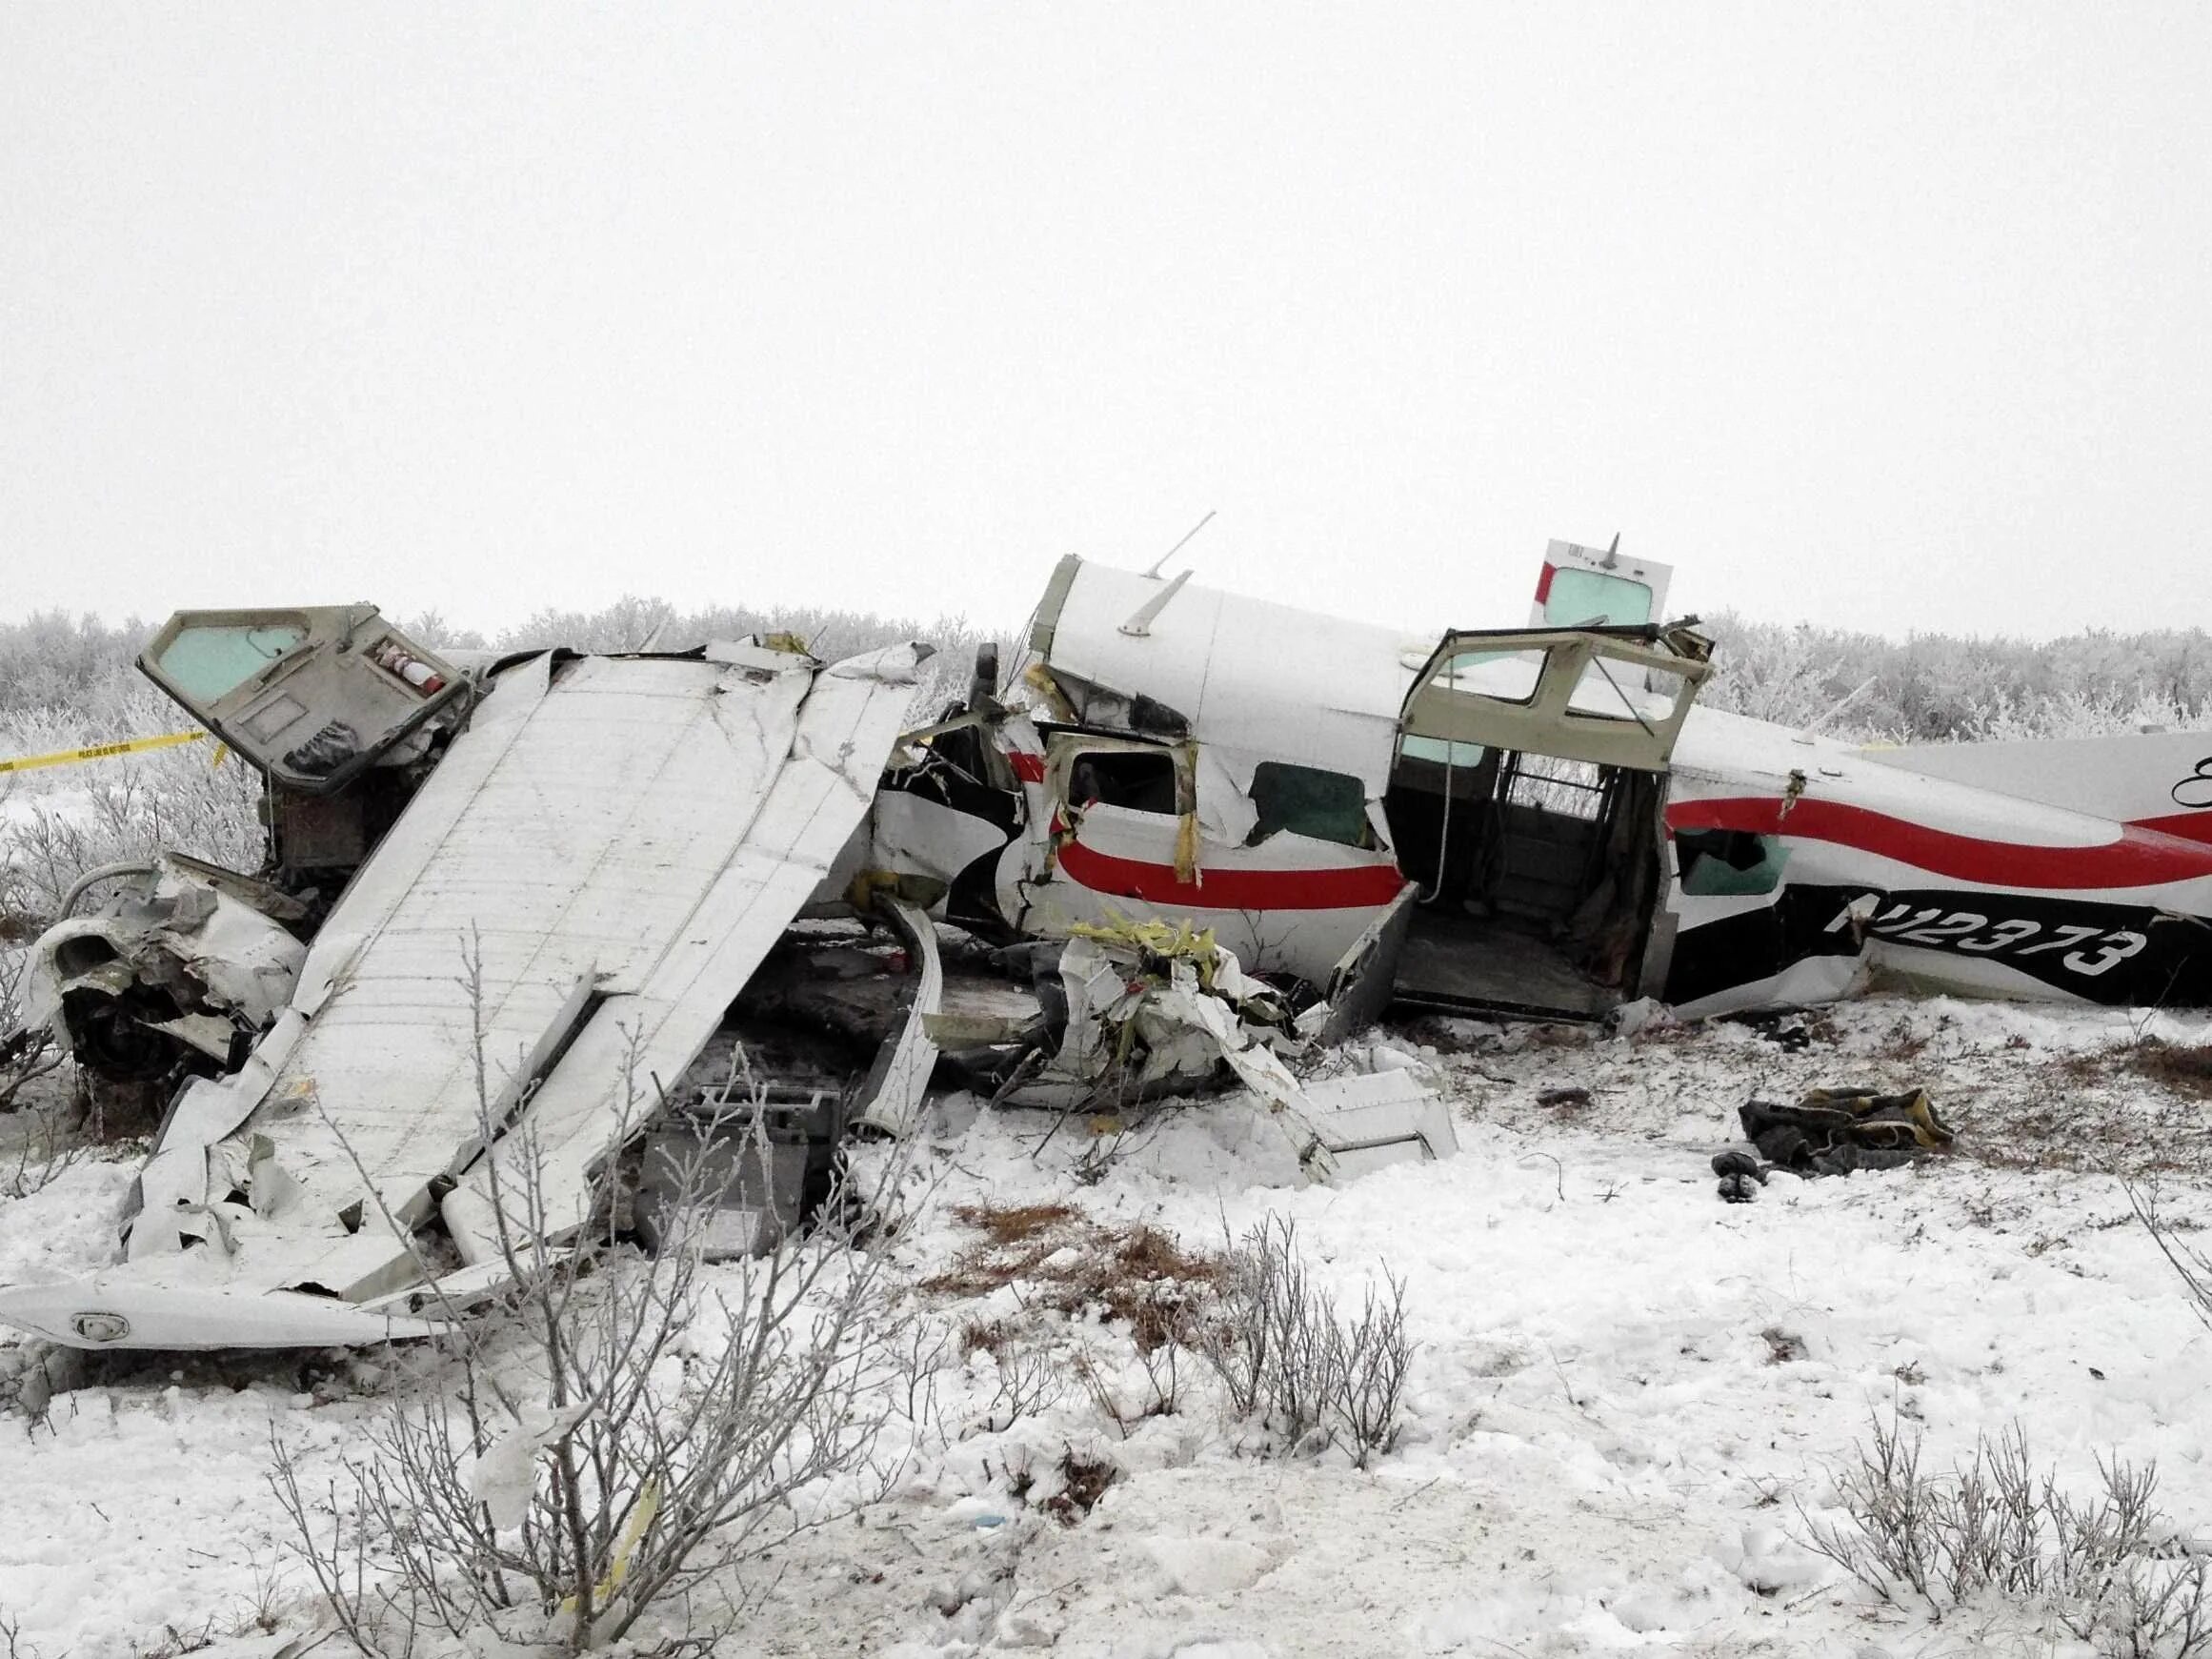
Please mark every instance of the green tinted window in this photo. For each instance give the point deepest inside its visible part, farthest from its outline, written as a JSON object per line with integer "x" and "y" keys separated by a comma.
{"x": 1588, "y": 595}
{"x": 1326, "y": 805}
{"x": 207, "y": 663}
{"x": 1722, "y": 864}
{"x": 1459, "y": 757}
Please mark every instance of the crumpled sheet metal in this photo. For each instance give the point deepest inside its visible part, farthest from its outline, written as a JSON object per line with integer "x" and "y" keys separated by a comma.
{"x": 1188, "y": 1004}
{"x": 180, "y": 932}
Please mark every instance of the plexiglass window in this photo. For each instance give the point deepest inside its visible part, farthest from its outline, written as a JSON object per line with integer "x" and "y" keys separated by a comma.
{"x": 210, "y": 662}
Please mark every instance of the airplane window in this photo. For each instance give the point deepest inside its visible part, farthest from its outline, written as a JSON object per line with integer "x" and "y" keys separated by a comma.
{"x": 1587, "y": 595}
{"x": 1461, "y": 757}
{"x": 1720, "y": 863}
{"x": 1135, "y": 779}
{"x": 1328, "y": 806}
{"x": 1508, "y": 675}
{"x": 210, "y": 661}
{"x": 1618, "y": 692}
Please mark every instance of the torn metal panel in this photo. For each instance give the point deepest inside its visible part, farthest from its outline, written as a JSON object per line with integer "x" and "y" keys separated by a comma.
{"x": 891, "y": 1097}
{"x": 1369, "y": 1120}
{"x": 1365, "y": 978}
{"x": 174, "y": 929}
{"x": 1152, "y": 1008}
{"x": 174, "y": 976}
{"x": 130, "y": 1310}
{"x": 578, "y": 852}
{"x": 917, "y": 837}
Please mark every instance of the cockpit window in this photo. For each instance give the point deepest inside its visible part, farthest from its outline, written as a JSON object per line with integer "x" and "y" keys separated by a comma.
{"x": 1134, "y": 780}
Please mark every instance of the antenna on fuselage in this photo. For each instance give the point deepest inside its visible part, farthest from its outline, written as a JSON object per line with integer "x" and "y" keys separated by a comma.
{"x": 1140, "y": 624}
{"x": 1194, "y": 530}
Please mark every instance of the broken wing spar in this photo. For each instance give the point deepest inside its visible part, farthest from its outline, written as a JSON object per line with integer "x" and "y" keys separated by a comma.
{"x": 613, "y": 845}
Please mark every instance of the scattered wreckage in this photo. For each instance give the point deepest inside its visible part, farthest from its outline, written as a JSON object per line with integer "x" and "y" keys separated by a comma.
{"x": 1189, "y": 835}
{"x": 504, "y": 901}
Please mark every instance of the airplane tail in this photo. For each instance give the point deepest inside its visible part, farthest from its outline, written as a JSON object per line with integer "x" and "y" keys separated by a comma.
{"x": 2155, "y": 781}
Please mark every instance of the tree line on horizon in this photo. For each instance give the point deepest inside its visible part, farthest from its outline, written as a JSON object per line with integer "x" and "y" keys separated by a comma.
{"x": 1928, "y": 687}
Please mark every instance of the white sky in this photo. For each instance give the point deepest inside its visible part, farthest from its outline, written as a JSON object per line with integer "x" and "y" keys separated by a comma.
{"x": 1894, "y": 316}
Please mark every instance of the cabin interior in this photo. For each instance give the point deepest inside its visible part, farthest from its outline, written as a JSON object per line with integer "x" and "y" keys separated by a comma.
{"x": 1537, "y": 876}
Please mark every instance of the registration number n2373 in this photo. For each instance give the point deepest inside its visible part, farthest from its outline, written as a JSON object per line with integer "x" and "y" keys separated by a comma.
{"x": 2080, "y": 948}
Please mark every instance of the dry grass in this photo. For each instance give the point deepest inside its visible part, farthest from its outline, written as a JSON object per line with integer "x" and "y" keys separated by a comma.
{"x": 2087, "y": 1065}
{"x": 1136, "y": 1273}
{"x": 990, "y": 1336}
{"x": 1085, "y": 1479}
{"x": 2091, "y": 1110}
{"x": 1904, "y": 1041}
{"x": 2184, "y": 1068}
{"x": 1016, "y": 1224}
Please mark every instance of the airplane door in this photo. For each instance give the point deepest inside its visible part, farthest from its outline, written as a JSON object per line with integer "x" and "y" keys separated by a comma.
{"x": 1531, "y": 781}
{"x": 310, "y": 695}
{"x": 1602, "y": 697}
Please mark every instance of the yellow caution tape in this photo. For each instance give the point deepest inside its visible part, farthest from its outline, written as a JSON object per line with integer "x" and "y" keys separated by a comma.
{"x": 101, "y": 750}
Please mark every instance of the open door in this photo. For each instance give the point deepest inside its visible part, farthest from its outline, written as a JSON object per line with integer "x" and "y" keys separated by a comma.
{"x": 1527, "y": 801}
{"x": 310, "y": 695}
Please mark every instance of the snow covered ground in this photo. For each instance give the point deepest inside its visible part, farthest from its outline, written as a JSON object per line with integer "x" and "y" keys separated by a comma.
{"x": 1623, "y": 1392}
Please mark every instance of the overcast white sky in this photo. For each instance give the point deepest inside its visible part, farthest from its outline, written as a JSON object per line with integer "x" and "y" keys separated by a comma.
{"x": 1890, "y": 316}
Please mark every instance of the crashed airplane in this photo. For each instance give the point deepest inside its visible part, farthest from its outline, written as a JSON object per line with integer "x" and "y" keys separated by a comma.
{"x": 1190, "y": 834}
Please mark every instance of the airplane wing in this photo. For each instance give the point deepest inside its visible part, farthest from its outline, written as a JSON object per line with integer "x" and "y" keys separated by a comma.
{"x": 576, "y": 894}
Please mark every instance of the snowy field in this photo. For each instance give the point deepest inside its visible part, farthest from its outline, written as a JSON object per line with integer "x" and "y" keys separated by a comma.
{"x": 1626, "y": 1398}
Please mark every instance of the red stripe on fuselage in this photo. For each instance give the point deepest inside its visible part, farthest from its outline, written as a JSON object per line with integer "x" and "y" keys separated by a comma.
{"x": 1341, "y": 887}
{"x": 2186, "y": 826}
{"x": 2140, "y": 857}
{"x": 1029, "y": 768}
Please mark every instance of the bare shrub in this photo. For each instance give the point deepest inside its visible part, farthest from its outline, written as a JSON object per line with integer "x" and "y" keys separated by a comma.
{"x": 2164, "y": 1610}
{"x": 1371, "y": 1356}
{"x": 27, "y": 1052}
{"x": 1285, "y": 1353}
{"x": 41, "y": 1143}
{"x": 125, "y": 807}
{"x": 2189, "y": 1263}
{"x": 12, "y": 1640}
{"x": 922, "y": 1354}
{"x": 629, "y": 1428}
{"x": 1997, "y": 1523}
{"x": 1159, "y": 1395}
{"x": 1030, "y": 1382}
{"x": 45, "y": 1149}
